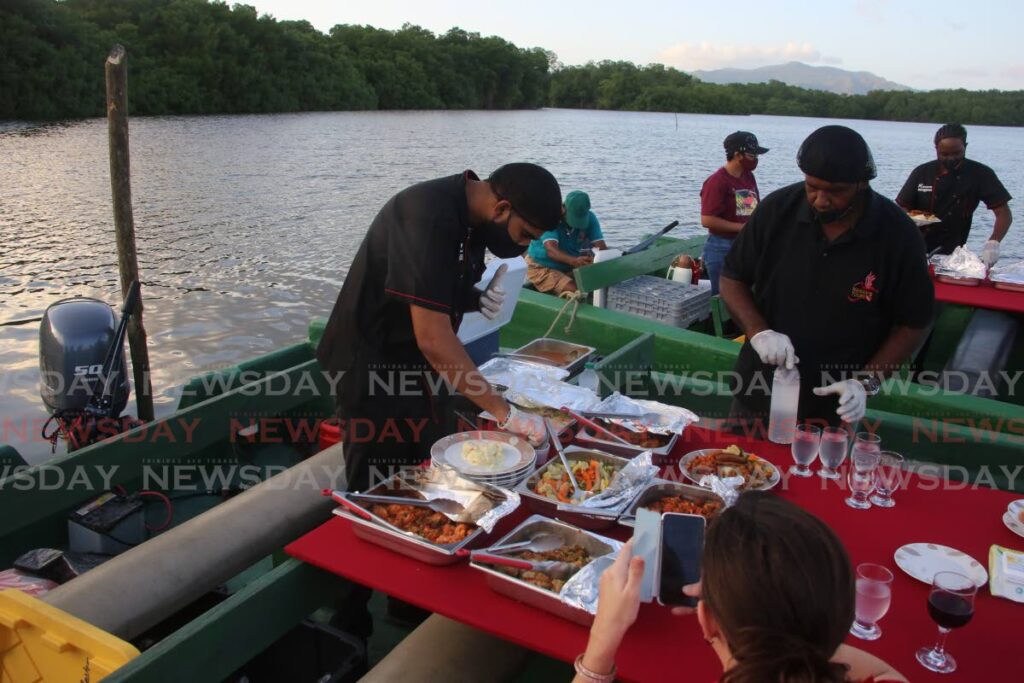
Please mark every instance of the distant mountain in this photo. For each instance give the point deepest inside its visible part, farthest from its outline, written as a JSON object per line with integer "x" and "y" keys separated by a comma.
{"x": 827, "y": 78}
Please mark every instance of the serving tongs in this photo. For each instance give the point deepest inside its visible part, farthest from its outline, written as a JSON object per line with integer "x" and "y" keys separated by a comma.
{"x": 596, "y": 427}
{"x": 342, "y": 498}
{"x": 446, "y": 507}
{"x": 541, "y": 542}
{"x": 553, "y": 568}
{"x": 578, "y": 493}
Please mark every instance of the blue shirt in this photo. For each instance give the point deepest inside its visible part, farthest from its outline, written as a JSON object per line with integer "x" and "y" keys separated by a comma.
{"x": 570, "y": 241}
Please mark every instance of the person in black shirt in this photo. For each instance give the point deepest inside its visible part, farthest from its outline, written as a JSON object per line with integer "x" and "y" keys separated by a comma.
{"x": 828, "y": 274}
{"x": 951, "y": 187}
{"x": 392, "y": 332}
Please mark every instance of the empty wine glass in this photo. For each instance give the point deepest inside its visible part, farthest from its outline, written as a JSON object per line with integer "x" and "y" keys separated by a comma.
{"x": 874, "y": 594}
{"x": 890, "y": 470}
{"x": 806, "y": 439}
{"x": 862, "y": 473}
{"x": 835, "y": 442}
{"x": 950, "y": 605}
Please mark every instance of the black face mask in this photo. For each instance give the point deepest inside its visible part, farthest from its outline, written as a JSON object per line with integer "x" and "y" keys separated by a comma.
{"x": 496, "y": 238}
{"x": 951, "y": 164}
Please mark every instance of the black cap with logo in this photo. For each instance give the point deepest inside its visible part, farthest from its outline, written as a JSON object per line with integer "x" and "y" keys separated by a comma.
{"x": 742, "y": 141}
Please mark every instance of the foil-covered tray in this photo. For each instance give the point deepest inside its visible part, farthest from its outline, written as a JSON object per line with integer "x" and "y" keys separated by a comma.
{"x": 574, "y": 515}
{"x": 1008, "y": 286}
{"x": 659, "y": 488}
{"x": 577, "y": 601}
{"x": 588, "y": 439}
{"x": 555, "y": 352}
{"x": 950, "y": 279}
{"x": 485, "y": 510}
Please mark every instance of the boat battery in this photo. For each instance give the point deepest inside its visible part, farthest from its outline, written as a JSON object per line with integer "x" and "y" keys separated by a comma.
{"x": 107, "y": 525}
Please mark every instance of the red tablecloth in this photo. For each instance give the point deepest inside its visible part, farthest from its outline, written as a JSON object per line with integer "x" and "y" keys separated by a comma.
{"x": 661, "y": 647}
{"x": 982, "y": 296}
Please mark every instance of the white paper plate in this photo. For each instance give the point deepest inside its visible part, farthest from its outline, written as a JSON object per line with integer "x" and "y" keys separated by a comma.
{"x": 1013, "y": 524}
{"x": 684, "y": 465}
{"x": 517, "y": 453}
{"x": 921, "y": 221}
{"x": 924, "y": 560}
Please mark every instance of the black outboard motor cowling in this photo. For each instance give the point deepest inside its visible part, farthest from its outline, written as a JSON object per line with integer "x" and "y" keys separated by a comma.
{"x": 75, "y": 337}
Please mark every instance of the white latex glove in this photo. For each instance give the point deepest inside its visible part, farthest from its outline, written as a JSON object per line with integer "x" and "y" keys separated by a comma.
{"x": 774, "y": 348}
{"x": 527, "y": 425}
{"x": 853, "y": 399}
{"x": 990, "y": 253}
{"x": 493, "y": 297}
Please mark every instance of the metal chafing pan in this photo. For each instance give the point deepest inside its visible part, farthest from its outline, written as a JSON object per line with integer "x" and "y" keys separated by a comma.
{"x": 659, "y": 488}
{"x": 376, "y": 530}
{"x": 950, "y": 279}
{"x": 534, "y": 596}
{"x": 587, "y": 438}
{"x": 549, "y": 506}
{"x": 561, "y": 354}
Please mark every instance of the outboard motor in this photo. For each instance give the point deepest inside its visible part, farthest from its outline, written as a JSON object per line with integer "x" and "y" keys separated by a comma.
{"x": 84, "y": 378}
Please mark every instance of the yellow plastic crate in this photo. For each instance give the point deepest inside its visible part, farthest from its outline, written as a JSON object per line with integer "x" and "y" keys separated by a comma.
{"x": 42, "y": 644}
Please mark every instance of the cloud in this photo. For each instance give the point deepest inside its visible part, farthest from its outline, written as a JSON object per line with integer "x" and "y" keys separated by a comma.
{"x": 1014, "y": 71}
{"x": 872, "y": 10}
{"x": 705, "y": 55}
{"x": 832, "y": 61}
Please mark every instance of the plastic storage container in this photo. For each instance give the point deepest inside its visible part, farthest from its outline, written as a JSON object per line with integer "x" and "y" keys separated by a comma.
{"x": 655, "y": 298}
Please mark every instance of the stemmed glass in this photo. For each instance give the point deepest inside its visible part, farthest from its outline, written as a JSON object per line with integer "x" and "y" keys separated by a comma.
{"x": 890, "y": 469}
{"x": 867, "y": 450}
{"x": 806, "y": 439}
{"x": 950, "y": 605}
{"x": 835, "y": 441}
{"x": 874, "y": 594}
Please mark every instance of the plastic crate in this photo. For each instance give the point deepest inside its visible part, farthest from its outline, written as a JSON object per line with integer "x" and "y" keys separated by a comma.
{"x": 655, "y": 298}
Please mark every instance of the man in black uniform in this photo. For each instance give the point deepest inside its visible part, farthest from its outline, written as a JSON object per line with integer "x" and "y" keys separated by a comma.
{"x": 393, "y": 328}
{"x": 951, "y": 187}
{"x": 828, "y": 274}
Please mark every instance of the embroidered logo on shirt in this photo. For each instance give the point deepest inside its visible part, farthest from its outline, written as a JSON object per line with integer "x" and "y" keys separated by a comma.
{"x": 746, "y": 202}
{"x": 865, "y": 290}
{"x": 924, "y": 188}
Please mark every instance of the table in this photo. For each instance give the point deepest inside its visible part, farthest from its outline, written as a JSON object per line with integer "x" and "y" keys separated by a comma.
{"x": 982, "y": 296}
{"x": 661, "y": 647}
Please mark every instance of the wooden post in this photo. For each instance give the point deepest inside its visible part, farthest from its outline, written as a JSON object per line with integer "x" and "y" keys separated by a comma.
{"x": 124, "y": 223}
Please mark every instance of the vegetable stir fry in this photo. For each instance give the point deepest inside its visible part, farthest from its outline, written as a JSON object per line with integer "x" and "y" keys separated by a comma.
{"x": 591, "y": 475}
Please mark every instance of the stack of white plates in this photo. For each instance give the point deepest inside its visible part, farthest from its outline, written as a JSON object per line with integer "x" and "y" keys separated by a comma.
{"x": 518, "y": 460}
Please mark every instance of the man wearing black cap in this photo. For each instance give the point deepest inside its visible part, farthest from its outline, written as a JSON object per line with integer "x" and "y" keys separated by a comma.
{"x": 951, "y": 187}
{"x": 391, "y": 336}
{"x": 728, "y": 198}
{"x": 830, "y": 275}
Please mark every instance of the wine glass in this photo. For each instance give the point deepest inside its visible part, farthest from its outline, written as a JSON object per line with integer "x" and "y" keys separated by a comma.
{"x": 835, "y": 441}
{"x": 874, "y": 594}
{"x": 950, "y": 605}
{"x": 890, "y": 469}
{"x": 806, "y": 439}
{"x": 862, "y": 473}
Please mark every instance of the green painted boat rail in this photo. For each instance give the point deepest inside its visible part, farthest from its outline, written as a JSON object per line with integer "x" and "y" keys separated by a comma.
{"x": 655, "y": 258}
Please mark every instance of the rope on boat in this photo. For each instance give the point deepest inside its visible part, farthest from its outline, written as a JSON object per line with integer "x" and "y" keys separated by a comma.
{"x": 572, "y": 298}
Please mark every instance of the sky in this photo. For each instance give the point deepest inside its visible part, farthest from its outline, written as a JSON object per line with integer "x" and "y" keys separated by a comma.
{"x": 921, "y": 44}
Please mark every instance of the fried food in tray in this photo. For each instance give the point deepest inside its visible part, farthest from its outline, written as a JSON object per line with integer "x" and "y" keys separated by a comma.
{"x": 643, "y": 439}
{"x": 731, "y": 462}
{"x": 684, "y": 505}
{"x": 424, "y": 522}
{"x": 573, "y": 554}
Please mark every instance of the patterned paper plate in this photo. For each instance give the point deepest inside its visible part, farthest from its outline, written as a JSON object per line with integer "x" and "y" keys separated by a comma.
{"x": 1013, "y": 524}
{"x": 924, "y": 560}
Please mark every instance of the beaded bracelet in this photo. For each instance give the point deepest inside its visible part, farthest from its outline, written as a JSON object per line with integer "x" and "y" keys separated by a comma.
{"x": 592, "y": 676}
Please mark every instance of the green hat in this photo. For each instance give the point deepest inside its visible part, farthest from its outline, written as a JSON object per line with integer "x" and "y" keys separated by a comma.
{"x": 577, "y": 209}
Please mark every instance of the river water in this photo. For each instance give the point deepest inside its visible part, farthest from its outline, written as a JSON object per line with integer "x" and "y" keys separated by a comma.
{"x": 246, "y": 225}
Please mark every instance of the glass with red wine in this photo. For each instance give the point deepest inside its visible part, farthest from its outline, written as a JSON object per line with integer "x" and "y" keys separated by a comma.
{"x": 950, "y": 605}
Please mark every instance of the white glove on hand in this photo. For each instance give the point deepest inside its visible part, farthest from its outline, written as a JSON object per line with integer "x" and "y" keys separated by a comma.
{"x": 774, "y": 348}
{"x": 990, "y": 253}
{"x": 527, "y": 425}
{"x": 493, "y": 297}
{"x": 853, "y": 399}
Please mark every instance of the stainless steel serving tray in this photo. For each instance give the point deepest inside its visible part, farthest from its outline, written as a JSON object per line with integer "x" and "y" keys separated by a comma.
{"x": 376, "y": 530}
{"x": 549, "y": 507}
{"x": 587, "y": 438}
{"x": 534, "y": 596}
{"x": 660, "y": 488}
{"x": 546, "y": 350}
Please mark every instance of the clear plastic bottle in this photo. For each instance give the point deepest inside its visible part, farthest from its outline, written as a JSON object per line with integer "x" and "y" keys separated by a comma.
{"x": 785, "y": 401}
{"x": 589, "y": 379}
